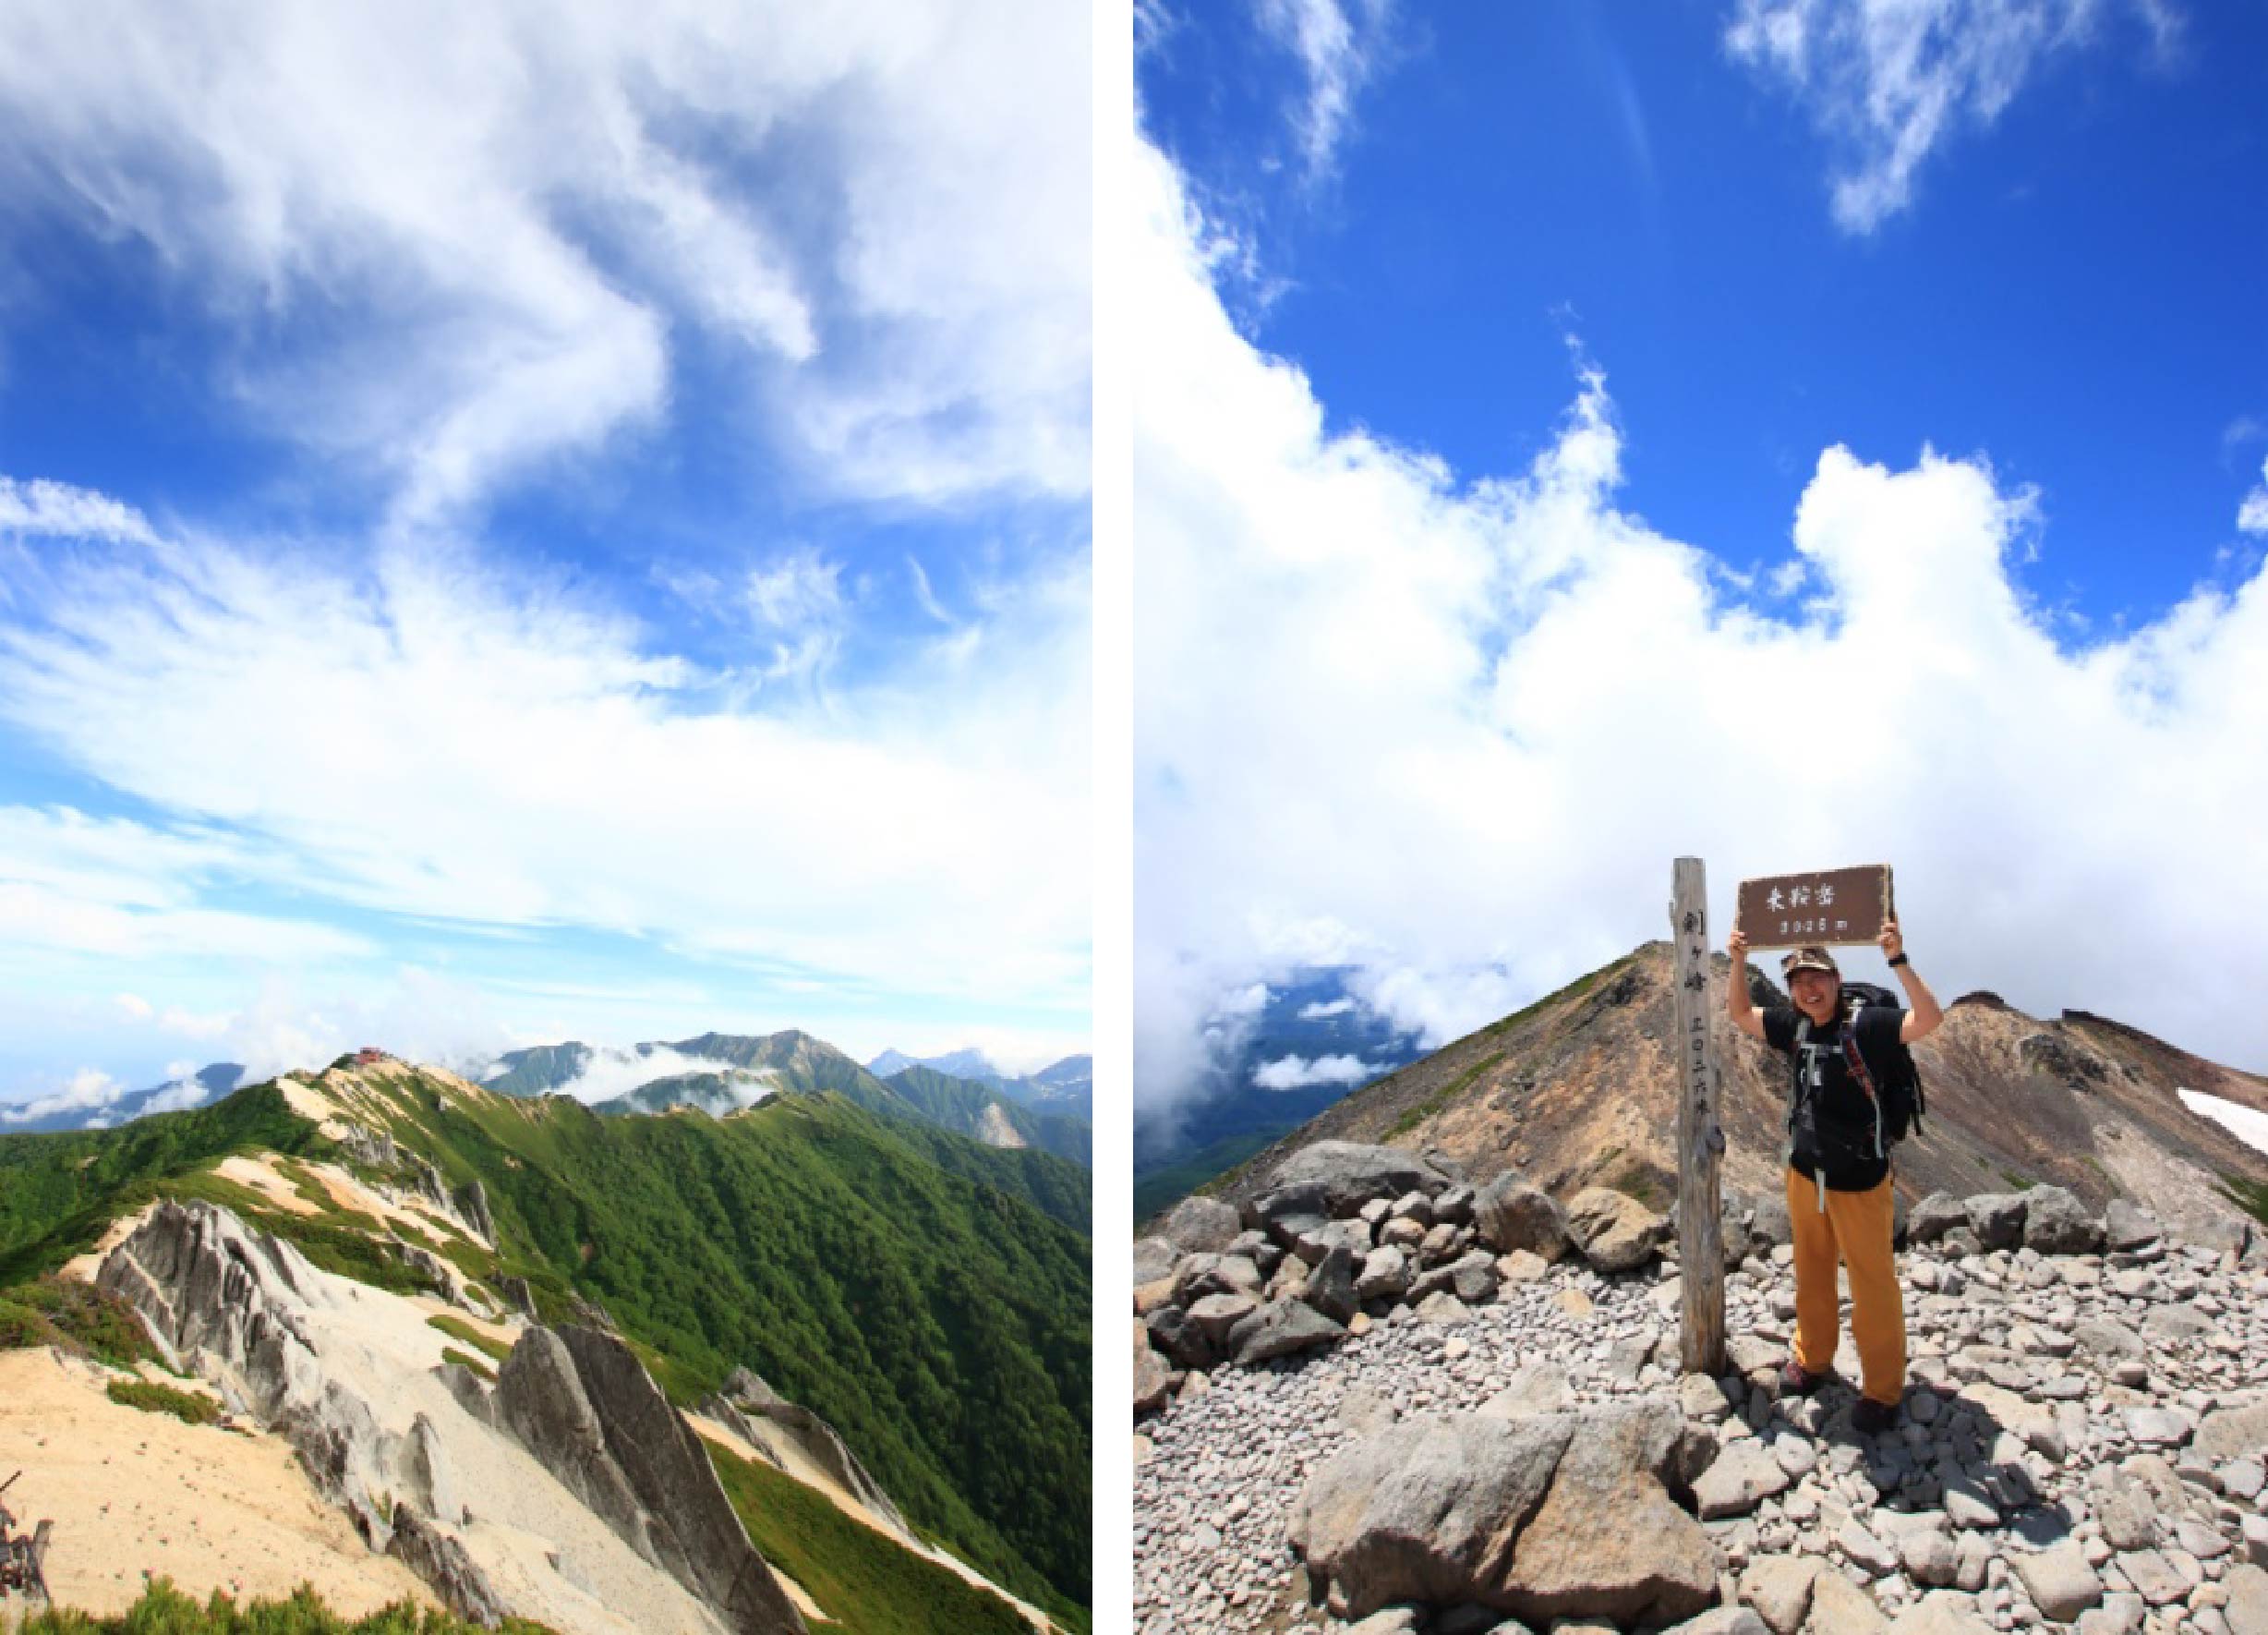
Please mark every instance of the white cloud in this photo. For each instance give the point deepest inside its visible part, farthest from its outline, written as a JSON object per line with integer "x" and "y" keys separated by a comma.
{"x": 118, "y": 890}
{"x": 452, "y": 241}
{"x": 612, "y": 1072}
{"x": 1296, "y": 1073}
{"x": 796, "y": 603}
{"x": 1464, "y": 726}
{"x": 58, "y": 511}
{"x": 1339, "y": 49}
{"x": 429, "y": 740}
{"x": 1318, "y": 1010}
{"x": 1890, "y": 81}
{"x": 2252, "y": 515}
{"x": 88, "y": 1091}
{"x": 184, "y": 1090}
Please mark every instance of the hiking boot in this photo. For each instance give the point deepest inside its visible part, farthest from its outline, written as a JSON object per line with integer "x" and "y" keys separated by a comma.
{"x": 1795, "y": 1380}
{"x": 1869, "y": 1418}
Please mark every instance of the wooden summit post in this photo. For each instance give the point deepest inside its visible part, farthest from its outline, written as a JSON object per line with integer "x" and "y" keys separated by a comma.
{"x": 1700, "y": 1139}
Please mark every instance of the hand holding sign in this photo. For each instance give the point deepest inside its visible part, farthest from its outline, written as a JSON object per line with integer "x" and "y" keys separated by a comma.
{"x": 1825, "y": 907}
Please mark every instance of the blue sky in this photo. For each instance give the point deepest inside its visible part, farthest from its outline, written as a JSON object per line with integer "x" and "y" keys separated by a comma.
{"x": 1540, "y": 391}
{"x": 510, "y": 532}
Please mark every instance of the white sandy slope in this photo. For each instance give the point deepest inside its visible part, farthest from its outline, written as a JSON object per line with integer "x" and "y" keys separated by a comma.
{"x": 132, "y": 1492}
{"x": 546, "y": 1554}
{"x": 2248, "y": 1125}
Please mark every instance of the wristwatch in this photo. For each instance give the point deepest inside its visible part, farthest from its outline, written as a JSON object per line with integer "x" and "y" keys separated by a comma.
{"x": 1897, "y": 959}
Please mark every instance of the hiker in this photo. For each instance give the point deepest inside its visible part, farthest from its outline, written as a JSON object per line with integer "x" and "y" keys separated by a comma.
{"x": 1844, "y": 1052}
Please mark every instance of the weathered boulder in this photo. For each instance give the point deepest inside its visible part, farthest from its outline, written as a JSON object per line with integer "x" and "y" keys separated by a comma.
{"x": 1541, "y": 1516}
{"x": 2127, "y": 1225}
{"x": 1615, "y": 1232}
{"x": 583, "y": 1405}
{"x": 1426, "y": 1509}
{"x": 1510, "y": 1213}
{"x": 1280, "y": 1328}
{"x": 1936, "y": 1215}
{"x": 1384, "y": 1275}
{"x": 1152, "y": 1379}
{"x": 1330, "y": 1287}
{"x": 1997, "y": 1219}
{"x": 1200, "y": 1223}
{"x": 1349, "y": 1174}
{"x": 2058, "y": 1223}
{"x": 1608, "y": 1542}
{"x": 2233, "y": 1433}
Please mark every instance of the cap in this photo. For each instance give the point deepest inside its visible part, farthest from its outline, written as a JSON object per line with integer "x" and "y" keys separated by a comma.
{"x": 1809, "y": 959}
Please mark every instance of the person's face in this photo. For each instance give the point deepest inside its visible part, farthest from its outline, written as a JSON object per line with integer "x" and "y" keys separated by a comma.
{"x": 1815, "y": 993}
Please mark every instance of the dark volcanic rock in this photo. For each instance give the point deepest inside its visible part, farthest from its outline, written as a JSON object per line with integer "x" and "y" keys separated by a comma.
{"x": 582, "y": 1403}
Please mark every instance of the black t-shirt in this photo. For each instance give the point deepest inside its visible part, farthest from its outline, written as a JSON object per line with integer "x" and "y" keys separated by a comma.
{"x": 1841, "y": 1101}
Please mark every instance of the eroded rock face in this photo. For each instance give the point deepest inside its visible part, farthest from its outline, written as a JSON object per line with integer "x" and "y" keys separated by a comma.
{"x": 753, "y": 1404}
{"x": 583, "y": 1405}
{"x": 1541, "y": 1516}
{"x": 229, "y": 1302}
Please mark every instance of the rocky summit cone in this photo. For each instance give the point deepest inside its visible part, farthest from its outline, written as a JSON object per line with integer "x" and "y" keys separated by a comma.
{"x": 1417, "y": 1371}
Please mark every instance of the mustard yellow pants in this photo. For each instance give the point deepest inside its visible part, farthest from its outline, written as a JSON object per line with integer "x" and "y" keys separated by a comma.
{"x": 1854, "y": 1229}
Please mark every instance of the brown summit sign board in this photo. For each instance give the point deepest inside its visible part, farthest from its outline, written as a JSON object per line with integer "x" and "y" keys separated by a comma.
{"x": 1827, "y": 906}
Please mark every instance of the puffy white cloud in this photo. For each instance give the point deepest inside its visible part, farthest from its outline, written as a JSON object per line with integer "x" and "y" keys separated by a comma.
{"x": 433, "y": 740}
{"x": 1296, "y": 1073}
{"x": 1890, "y": 81}
{"x": 87, "y": 1090}
{"x": 449, "y": 241}
{"x": 1451, "y": 732}
{"x": 1318, "y": 1010}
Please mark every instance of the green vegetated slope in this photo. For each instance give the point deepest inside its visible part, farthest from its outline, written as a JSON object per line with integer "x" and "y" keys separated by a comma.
{"x": 865, "y": 1582}
{"x": 58, "y": 1191}
{"x": 715, "y": 1094}
{"x": 900, "y": 1281}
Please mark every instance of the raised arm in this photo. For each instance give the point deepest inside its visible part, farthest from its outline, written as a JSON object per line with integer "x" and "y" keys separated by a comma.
{"x": 1738, "y": 1005}
{"x": 1923, "y": 1011}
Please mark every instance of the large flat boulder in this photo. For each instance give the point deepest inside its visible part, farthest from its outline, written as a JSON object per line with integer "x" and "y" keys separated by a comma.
{"x": 1427, "y": 1508}
{"x": 1541, "y": 1516}
{"x": 1279, "y": 1329}
{"x": 1608, "y": 1542}
{"x": 1350, "y": 1173}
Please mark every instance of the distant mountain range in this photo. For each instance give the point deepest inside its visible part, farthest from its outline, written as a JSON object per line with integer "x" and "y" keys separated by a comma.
{"x": 1312, "y": 1028}
{"x": 734, "y": 1071}
{"x": 719, "y": 1073}
{"x": 1064, "y": 1086}
{"x": 205, "y": 1086}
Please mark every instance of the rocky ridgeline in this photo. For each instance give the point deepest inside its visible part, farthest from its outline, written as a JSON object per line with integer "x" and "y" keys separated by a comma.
{"x": 1470, "y": 1450}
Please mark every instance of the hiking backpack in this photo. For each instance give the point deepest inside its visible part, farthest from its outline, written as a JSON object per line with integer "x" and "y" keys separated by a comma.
{"x": 1895, "y": 1093}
